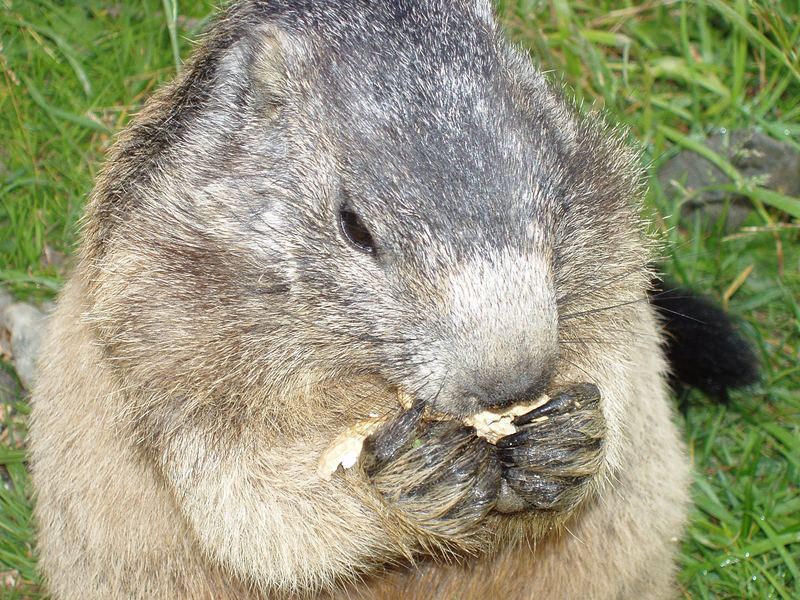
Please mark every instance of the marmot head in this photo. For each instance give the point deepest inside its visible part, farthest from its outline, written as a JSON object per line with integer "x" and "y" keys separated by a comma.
{"x": 344, "y": 188}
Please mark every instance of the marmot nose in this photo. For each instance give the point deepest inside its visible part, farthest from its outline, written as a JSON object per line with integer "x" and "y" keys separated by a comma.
{"x": 510, "y": 391}
{"x": 496, "y": 392}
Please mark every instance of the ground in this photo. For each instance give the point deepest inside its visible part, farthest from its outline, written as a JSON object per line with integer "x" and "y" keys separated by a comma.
{"x": 673, "y": 71}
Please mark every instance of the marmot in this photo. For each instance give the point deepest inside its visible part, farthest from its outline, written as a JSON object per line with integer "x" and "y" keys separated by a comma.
{"x": 334, "y": 201}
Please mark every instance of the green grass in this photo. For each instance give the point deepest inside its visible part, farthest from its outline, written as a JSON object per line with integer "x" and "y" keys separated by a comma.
{"x": 672, "y": 70}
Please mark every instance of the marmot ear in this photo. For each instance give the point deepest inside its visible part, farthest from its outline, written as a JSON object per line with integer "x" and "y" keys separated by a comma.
{"x": 258, "y": 67}
{"x": 267, "y": 65}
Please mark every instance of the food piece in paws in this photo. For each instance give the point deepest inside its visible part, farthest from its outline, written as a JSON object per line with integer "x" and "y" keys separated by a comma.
{"x": 490, "y": 426}
{"x": 346, "y": 448}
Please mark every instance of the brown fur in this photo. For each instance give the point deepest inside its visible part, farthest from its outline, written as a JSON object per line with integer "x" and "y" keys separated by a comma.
{"x": 218, "y": 332}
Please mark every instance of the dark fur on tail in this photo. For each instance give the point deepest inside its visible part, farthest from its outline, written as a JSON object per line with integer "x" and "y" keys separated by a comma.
{"x": 702, "y": 346}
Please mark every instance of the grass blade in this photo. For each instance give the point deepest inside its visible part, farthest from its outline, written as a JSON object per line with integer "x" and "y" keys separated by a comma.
{"x": 171, "y": 12}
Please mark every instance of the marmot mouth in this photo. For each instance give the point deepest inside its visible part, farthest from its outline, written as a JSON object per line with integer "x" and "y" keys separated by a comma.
{"x": 489, "y": 425}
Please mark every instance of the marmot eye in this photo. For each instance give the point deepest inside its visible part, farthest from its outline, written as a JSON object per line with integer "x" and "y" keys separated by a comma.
{"x": 354, "y": 230}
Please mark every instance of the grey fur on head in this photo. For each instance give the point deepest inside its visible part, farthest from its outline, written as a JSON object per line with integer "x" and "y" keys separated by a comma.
{"x": 453, "y": 151}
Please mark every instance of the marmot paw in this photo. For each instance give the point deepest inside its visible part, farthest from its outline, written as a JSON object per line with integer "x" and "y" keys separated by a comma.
{"x": 550, "y": 463}
{"x": 438, "y": 475}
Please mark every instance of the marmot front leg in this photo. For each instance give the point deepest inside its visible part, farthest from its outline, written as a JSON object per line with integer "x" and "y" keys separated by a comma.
{"x": 438, "y": 477}
{"x": 556, "y": 454}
